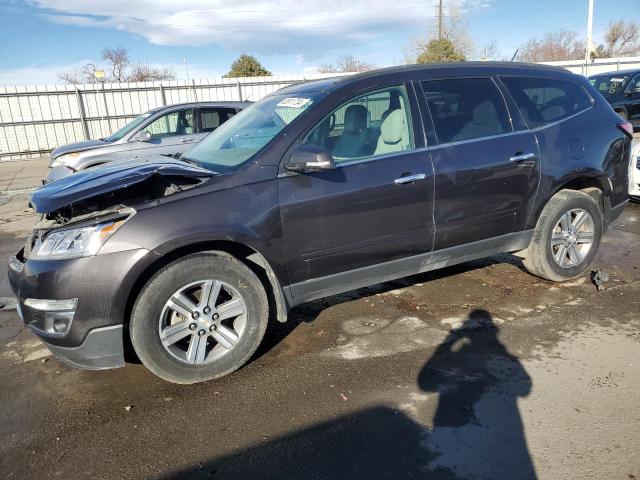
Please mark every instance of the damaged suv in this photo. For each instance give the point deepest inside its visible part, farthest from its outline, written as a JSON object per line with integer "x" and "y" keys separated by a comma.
{"x": 317, "y": 189}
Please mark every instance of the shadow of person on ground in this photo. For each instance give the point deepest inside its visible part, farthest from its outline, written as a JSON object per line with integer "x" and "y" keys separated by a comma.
{"x": 477, "y": 430}
{"x": 477, "y": 427}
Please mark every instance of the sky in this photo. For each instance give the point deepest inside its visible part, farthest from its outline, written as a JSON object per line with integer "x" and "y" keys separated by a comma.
{"x": 40, "y": 38}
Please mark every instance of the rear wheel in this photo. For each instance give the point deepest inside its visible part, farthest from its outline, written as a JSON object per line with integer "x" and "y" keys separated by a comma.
{"x": 199, "y": 318}
{"x": 566, "y": 237}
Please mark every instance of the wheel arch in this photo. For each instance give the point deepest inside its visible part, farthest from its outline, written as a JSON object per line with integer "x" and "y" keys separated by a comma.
{"x": 253, "y": 259}
{"x": 594, "y": 183}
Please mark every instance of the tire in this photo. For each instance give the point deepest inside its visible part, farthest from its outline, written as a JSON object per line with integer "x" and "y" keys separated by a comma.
{"x": 543, "y": 259}
{"x": 163, "y": 333}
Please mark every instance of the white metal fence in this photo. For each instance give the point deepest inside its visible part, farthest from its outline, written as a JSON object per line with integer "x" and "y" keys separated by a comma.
{"x": 36, "y": 119}
{"x": 601, "y": 65}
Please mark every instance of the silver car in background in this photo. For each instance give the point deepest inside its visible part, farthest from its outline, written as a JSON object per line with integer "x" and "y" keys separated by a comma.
{"x": 168, "y": 130}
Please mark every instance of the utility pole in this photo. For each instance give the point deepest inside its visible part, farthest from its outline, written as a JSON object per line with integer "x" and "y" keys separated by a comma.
{"x": 440, "y": 21}
{"x": 587, "y": 56}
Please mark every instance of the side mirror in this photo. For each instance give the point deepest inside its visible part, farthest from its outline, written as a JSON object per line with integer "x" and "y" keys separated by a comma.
{"x": 310, "y": 158}
{"x": 142, "y": 136}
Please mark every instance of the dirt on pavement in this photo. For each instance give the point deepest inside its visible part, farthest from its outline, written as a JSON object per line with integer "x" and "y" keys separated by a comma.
{"x": 475, "y": 371}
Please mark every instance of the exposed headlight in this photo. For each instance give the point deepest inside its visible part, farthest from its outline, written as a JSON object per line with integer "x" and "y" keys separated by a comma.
{"x": 74, "y": 242}
{"x": 64, "y": 159}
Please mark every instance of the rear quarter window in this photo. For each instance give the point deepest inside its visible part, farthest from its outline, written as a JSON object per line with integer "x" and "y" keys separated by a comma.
{"x": 543, "y": 100}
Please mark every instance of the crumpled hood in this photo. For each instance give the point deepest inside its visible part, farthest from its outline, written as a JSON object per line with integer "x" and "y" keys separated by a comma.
{"x": 77, "y": 147}
{"x": 111, "y": 176}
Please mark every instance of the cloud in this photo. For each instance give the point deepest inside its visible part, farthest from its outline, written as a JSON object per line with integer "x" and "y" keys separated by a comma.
{"x": 258, "y": 26}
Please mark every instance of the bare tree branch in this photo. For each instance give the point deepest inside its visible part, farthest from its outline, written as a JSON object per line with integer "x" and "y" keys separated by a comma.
{"x": 346, "y": 63}
{"x": 141, "y": 72}
{"x": 560, "y": 45}
{"x": 119, "y": 68}
{"x": 118, "y": 59}
{"x": 623, "y": 39}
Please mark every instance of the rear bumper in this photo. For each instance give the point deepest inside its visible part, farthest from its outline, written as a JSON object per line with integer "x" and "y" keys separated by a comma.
{"x": 615, "y": 211}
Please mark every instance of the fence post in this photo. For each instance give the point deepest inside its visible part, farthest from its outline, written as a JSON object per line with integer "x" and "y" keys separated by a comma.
{"x": 106, "y": 111}
{"x": 193, "y": 88}
{"x": 163, "y": 98}
{"x": 83, "y": 117}
{"x": 239, "y": 90}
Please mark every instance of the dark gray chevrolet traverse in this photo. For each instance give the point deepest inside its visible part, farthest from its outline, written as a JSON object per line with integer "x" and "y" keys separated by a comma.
{"x": 317, "y": 189}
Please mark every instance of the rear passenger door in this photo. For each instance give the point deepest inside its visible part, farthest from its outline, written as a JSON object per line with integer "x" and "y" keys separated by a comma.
{"x": 486, "y": 174}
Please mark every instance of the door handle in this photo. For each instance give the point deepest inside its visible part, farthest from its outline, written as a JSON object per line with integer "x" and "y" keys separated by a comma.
{"x": 410, "y": 178}
{"x": 524, "y": 160}
{"x": 186, "y": 140}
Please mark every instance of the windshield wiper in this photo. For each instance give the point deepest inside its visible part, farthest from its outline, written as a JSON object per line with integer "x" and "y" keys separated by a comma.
{"x": 189, "y": 160}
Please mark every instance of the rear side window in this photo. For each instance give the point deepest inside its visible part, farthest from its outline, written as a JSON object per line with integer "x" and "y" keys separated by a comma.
{"x": 543, "y": 100}
{"x": 212, "y": 118}
{"x": 466, "y": 108}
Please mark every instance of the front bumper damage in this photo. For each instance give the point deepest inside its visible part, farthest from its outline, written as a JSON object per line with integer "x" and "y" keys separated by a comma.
{"x": 89, "y": 335}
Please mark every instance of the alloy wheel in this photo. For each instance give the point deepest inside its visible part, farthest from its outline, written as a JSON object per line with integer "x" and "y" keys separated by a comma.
{"x": 572, "y": 238}
{"x": 202, "y": 321}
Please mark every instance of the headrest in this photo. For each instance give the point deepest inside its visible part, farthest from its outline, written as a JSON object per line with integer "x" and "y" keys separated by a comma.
{"x": 355, "y": 118}
{"x": 392, "y": 127}
{"x": 485, "y": 113}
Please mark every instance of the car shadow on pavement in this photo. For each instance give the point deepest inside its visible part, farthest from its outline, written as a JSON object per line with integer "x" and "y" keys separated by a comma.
{"x": 476, "y": 431}
{"x": 308, "y": 312}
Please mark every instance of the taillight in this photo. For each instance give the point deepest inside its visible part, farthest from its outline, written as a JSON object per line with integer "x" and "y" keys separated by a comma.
{"x": 626, "y": 127}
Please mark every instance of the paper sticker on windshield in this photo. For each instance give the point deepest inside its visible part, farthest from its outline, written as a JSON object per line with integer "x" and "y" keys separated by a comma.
{"x": 294, "y": 102}
{"x": 616, "y": 80}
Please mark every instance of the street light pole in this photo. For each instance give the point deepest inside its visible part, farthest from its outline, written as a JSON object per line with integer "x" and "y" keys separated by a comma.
{"x": 587, "y": 56}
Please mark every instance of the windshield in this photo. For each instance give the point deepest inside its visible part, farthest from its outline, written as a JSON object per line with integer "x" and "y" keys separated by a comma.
{"x": 127, "y": 128}
{"x": 609, "y": 84}
{"x": 238, "y": 139}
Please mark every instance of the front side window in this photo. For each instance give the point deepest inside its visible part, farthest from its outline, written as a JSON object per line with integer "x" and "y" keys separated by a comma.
{"x": 179, "y": 122}
{"x": 545, "y": 100}
{"x": 127, "y": 128}
{"x": 237, "y": 140}
{"x": 466, "y": 108}
{"x": 376, "y": 123}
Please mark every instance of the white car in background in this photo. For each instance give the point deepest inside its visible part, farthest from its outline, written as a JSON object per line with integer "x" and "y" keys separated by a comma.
{"x": 634, "y": 169}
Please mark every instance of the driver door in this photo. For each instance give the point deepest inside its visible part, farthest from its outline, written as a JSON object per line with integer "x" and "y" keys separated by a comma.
{"x": 375, "y": 207}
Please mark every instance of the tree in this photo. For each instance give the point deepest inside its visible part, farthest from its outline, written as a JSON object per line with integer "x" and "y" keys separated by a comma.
{"x": 118, "y": 68}
{"x": 118, "y": 61}
{"x": 490, "y": 51}
{"x": 440, "y": 51}
{"x": 455, "y": 29}
{"x": 622, "y": 39}
{"x": 560, "y": 45}
{"x": 141, "y": 72}
{"x": 247, "y": 66}
{"x": 84, "y": 74}
{"x": 346, "y": 63}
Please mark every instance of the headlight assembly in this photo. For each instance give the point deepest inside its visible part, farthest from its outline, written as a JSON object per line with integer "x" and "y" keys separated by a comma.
{"x": 64, "y": 159}
{"x": 74, "y": 242}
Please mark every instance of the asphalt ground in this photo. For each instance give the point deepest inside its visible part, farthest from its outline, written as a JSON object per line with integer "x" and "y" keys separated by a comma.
{"x": 479, "y": 371}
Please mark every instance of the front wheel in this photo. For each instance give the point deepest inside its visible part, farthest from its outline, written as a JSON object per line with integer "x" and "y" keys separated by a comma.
{"x": 566, "y": 237}
{"x": 199, "y": 318}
